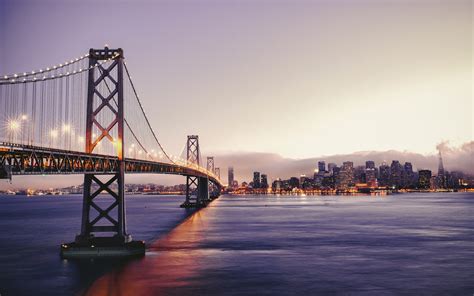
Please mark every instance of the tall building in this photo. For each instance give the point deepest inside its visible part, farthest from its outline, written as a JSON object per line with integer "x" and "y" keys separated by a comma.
{"x": 321, "y": 167}
{"x": 424, "y": 179}
{"x": 359, "y": 174}
{"x": 396, "y": 172}
{"x": 264, "y": 182}
{"x": 230, "y": 176}
{"x": 441, "y": 183}
{"x": 345, "y": 178}
{"x": 331, "y": 167}
{"x": 371, "y": 176}
{"x": 384, "y": 175}
{"x": 408, "y": 175}
{"x": 370, "y": 164}
{"x": 256, "y": 179}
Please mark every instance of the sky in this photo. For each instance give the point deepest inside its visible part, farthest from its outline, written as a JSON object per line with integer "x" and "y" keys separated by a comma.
{"x": 300, "y": 79}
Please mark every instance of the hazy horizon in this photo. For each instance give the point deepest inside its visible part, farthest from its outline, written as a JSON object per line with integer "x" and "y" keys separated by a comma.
{"x": 299, "y": 79}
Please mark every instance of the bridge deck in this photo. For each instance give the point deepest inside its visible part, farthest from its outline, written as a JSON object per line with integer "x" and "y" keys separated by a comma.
{"x": 32, "y": 160}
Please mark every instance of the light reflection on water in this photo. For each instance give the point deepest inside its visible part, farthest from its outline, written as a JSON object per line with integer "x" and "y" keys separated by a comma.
{"x": 170, "y": 263}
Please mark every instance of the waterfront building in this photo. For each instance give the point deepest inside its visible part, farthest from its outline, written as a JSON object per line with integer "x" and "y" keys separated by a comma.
{"x": 321, "y": 167}
{"x": 408, "y": 175}
{"x": 331, "y": 167}
{"x": 370, "y": 164}
{"x": 441, "y": 180}
{"x": 230, "y": 176}
{"x": 371, "y": 177}
{"x": 396, "y": 171}
{"x": 359, "y": 174}
{"x": 424, "y": 179}
{"x": 294, "y": 183}
{"x": 384, "y": 175}
{"x": 264, "y": 181}
{"x": 345, "y": 178}
{"x": 235, "y": 184}
{"x": 256, "y": 180}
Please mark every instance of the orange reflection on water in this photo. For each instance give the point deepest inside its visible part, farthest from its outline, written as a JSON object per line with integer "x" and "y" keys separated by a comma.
{"x": 170, "y": 262}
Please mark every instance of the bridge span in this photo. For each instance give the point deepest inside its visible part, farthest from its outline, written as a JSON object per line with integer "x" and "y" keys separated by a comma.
{"x": 84, "y": 116}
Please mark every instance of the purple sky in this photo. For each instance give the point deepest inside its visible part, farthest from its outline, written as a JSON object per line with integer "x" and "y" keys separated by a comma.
{"x": 297, "y": 78}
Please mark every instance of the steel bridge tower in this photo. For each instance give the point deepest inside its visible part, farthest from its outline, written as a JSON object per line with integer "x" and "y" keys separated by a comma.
{"x": 111, "y": 218}
{"x": 197, "y": 189}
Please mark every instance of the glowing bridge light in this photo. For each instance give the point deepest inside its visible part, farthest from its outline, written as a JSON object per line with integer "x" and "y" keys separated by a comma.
{"x": 13, "y": 125}
{"x": 66, "y": 128}
{"x": 53, "y": 133}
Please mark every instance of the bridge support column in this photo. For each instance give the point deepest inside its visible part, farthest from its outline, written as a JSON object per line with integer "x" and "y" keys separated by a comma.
{"x": 108, "y": 215}
{"x": 197, "y": 192}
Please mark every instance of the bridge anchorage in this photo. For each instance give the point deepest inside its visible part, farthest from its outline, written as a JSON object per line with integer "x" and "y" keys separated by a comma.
{"x": 71, "y": 119}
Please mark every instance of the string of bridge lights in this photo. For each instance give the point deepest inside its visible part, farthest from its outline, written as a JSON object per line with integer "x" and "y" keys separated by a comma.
{"x": 55, "y": 67}
{"x": 21, "y": 78}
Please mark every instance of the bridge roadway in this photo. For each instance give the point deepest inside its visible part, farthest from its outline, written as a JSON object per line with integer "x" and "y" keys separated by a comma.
{"x": 16, "y": 159}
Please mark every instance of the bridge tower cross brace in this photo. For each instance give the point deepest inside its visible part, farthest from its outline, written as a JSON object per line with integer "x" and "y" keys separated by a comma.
{"x": 113, "y": 100}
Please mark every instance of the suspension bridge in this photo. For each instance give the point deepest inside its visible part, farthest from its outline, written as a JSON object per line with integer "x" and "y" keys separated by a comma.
{"x": 84, "y": 116}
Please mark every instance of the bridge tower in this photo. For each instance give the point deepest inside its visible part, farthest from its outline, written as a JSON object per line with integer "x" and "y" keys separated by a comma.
{"x": 217, "y": 172}
{"x": 210, "y": 164}
{"x": 197, "y": 190}
{"x": 98, "y": 217}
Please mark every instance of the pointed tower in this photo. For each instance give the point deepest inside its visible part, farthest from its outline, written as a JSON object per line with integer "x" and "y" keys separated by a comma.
{"x": 441, "y": 173}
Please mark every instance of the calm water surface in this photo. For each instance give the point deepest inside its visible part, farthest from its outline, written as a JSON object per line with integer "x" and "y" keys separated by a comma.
{"x": 400, "y": 244}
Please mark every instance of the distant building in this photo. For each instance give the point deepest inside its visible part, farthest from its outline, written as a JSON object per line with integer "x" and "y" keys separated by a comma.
{"x": 321, "y": 167}
{"x": 441, "y": 179}
{"x": 359, "y": 174}
{"x": 230, "y": 176}
{"x": 302, "y": 179}
{"x": 371, "y": 177}
{"x": 235, "y": 184}
{"x": 370, "y": 164}
{"x": 264, "y": 181}
{"x": 384, "y": 175}
{"x": 256, "y": 180}
{"x": 424, "y": 179}
{"x": 331, "y": 167}
{"x": 408, "y": 175}
{"x": 396, "y": 172}
{"x": 345, "y": 178}
{"x": 294, "y": 183}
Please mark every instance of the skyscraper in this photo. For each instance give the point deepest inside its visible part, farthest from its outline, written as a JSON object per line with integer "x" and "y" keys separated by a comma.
{"x": 396, "y": 171}
{"x": 264, "y": 183}
{"x": 230, "y": 176}
{"x": 370, "y": 164}
{"x": 441, "y": 173}
{"x": 345, "y": 178}
{"x": 424, "y": 178}
{"x": 331, "y": 167}
{"x": 408, "y": 175}
{"x": 256, "y": 180}
{"x": 321, "y": 167}
{"x": 359, "y": 174}
{"x": 384, "y": 175}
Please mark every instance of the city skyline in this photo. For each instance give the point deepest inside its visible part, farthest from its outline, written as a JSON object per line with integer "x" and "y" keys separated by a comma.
{"x": 395, "y": 77}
